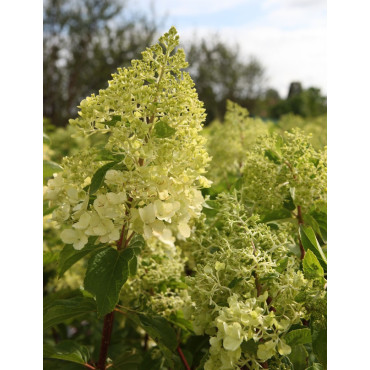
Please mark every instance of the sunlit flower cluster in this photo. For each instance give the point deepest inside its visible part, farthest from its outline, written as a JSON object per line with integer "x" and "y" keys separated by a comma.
{"x": 244, "y": 287}
{"x": 148, "y": 174}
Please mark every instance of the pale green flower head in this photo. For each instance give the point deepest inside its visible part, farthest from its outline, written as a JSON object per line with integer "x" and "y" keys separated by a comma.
{"x": 148, "y": 172}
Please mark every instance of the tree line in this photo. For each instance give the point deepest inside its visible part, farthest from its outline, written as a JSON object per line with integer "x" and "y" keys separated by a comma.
{"x": 84, "y": 42}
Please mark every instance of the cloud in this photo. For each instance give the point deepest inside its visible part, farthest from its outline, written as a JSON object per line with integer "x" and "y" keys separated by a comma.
{"x": 287, "y": 55}
{"x": 287, "y": 36}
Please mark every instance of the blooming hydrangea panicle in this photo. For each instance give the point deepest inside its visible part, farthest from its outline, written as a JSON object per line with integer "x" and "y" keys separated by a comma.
{"x": 148, "y": 173}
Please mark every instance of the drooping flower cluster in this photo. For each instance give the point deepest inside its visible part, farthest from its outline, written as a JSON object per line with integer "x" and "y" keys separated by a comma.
{"x": 148, "y": 174}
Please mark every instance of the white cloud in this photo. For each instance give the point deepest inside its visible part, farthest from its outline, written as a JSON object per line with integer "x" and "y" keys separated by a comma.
{"x": 288, "y": 55}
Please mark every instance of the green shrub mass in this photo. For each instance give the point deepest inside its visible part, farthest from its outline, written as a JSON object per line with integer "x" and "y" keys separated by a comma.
{"x": 208, "y": 245}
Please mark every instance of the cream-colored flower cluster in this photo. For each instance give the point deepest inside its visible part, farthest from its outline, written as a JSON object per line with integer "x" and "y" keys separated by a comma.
{"x": 283, "y": 169}
{"x": 244, "y": 286}
{"x": 228, "y": 141}
{"x": 158, "y": 285}
{"x": 148, "y": 174}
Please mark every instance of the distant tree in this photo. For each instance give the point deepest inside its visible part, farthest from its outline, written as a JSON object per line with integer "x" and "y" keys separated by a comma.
{"x": 220, "y": 74}
{"x": 295, "y": 88}
{"x": 303, "y": 102}
{"x": 84, "y": 42}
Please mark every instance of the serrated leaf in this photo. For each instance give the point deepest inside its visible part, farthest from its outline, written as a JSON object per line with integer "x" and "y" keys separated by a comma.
{"x": 98, "y": 178}
{"x": 69, "y": 256}
{"x": 64, "y": 309}
{"x": 107, "y": 271}
{"x": 159, "y": 330}
{"x": 309, "y": 242}
{"x": 50, "y": 167}
{"x": 163, "y": 130}
{"x": 68, "y": 351}
{"x": 311, "y": 266}
{"x": 299, "y": 336}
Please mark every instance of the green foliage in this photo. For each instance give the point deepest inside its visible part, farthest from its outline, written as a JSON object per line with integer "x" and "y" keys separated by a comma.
{"x": 106, "y": 272}
{"x": 98, "y": 177}
{"x": 216, "y": 273}
{"x": 310, "y": 242}
{"x": 69, "y": 256}
{"x": 67, "y": 351}
{"x": 65, "y": 309}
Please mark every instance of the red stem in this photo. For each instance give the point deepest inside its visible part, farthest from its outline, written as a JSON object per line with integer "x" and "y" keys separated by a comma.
{"x": 107, "y": 332}
{"x": 183, "y": 359}
{"x": 89, "y": 366}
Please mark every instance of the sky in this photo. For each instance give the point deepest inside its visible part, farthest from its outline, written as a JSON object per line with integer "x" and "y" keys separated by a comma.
{"x": 287, "y": 36}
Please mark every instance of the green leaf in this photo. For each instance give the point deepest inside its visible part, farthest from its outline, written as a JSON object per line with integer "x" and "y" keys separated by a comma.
{"x": 98, "y": 178}
{"x": 113, "y": 121}
{"x": 127, "y": 360}
{"x": 298, "y": 357}
{"x": 132, "y": 266}
{"x": 69, "y": 256}
{"x": 315, "y": 366}
{"x": 67, "y": 350}
{"x": 46, "y": 139}
{"x": 319, "y": 343}
{"x": 309, "y": 220}
{"x": 310, "y": 242}
{"x": 106, "y": 155}
{"x": 250, "y": 347}
{"x": 163, "y": 130}
{"x": 280, "y": 214}
{"x": 49, "y": 168}
{"x": 179, "y": 320}
{"x": 137, "y": 243}
{"x": 272, "y": 156}
{"x": 64, "y": 309}
{"x": 107, "y": 271}
{"x": 311, "y": 266}
{"x": 159, "y": 330}
{"x": 299, "y": 336}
